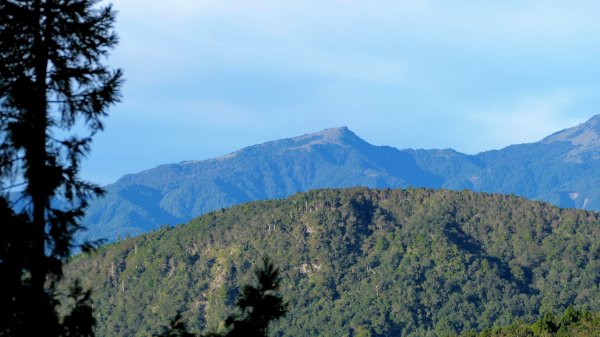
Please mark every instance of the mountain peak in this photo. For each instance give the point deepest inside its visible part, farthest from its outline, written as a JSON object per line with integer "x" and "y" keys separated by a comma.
{"x": 595, "y": 119}
{"x": 337, "y": 136}
{"x": 333, "y": 135}
{"x": 586, "y": 134}
{"x": 585, "y": 138}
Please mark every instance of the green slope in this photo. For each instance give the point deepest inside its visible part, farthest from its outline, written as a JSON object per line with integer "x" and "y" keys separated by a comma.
{"x": 357, "y": 262}
{"x": 573, "y": 323}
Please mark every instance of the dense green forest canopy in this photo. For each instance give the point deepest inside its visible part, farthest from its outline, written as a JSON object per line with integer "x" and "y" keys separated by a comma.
{"x": 573, "y": 323}
{"x": 357, "y": 262}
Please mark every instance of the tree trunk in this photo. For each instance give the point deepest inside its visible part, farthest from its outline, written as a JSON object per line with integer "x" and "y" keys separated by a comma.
{"x": 37, "y": 172}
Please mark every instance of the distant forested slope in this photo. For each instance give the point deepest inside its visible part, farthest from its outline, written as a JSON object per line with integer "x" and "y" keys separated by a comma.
{"x": 357, "y": 262}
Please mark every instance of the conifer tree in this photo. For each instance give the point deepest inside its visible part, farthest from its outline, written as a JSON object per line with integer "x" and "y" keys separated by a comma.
{"x": 258, "y": 306}
{"x": 52, "y": 83}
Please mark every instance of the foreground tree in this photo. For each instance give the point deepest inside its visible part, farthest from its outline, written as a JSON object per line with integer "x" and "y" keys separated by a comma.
{"x": 52, "y": 81}
{"x": 258, "y": 304}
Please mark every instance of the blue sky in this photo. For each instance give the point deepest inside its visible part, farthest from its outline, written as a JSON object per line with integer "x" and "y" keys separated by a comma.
{"x": 207, "y": 77}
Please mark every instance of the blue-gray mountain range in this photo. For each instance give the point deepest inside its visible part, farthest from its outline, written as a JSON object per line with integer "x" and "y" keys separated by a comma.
{"x": 563, "y": 169}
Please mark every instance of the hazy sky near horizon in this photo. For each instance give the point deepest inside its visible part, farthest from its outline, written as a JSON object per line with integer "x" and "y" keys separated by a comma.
{"x": 207, "y": 77}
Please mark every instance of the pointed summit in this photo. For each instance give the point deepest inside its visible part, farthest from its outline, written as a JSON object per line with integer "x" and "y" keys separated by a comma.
{"x": 332, "y": 135}
{"x": 586, "y": 134}
{"x": 337, "y": 136}
{"x": 584, "y": 138}
{"x": 340, "y": 136}
{"x": 335, "y": 133}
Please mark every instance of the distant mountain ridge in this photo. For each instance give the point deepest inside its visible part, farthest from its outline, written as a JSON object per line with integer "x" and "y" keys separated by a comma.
{"x": 562, "y": 169}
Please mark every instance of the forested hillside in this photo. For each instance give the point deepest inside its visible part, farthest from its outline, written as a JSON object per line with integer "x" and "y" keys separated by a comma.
{"x": 357, "y": 262}
{"x": 563, "y": 168}
{"x": 572, "y": 323}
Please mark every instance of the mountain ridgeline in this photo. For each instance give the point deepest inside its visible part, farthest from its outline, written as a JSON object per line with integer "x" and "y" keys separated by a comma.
{"x": 563, "y": 169}
{"x": 356, "y": 262}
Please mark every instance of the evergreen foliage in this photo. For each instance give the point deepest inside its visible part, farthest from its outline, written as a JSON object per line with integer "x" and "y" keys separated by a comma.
{"x": 258, "y": 305}
{"x": 356, "y": 262}
{"x": 572, "y": 324}
{"x": 52, "y": 81}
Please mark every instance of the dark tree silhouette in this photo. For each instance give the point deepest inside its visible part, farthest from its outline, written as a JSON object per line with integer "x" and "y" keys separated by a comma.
{"x": 258, "y": 305}
{"x": 52, "y": 81}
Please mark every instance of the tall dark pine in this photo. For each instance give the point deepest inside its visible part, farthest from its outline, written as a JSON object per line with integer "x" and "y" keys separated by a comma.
{"x": 52, "y": 81}
{"x": 259, "y": 305}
